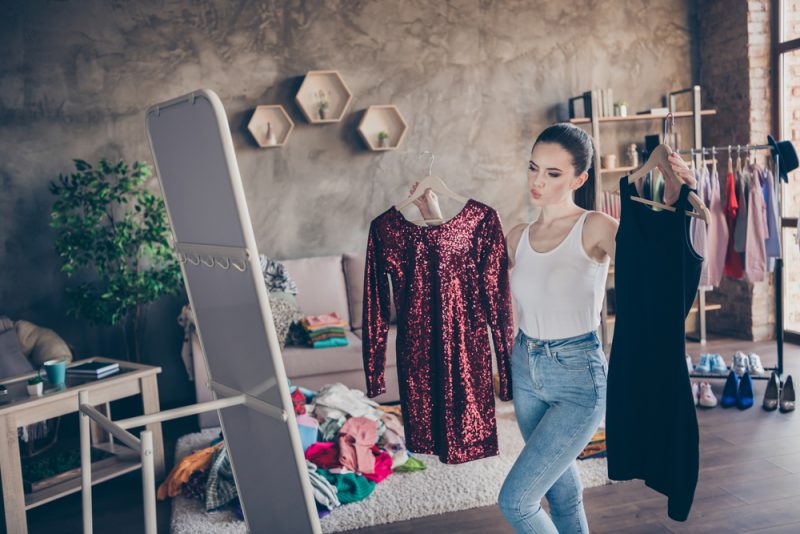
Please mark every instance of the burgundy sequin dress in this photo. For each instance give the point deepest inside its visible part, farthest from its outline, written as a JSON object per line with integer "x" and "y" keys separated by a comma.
{"x": 449, "y": 281}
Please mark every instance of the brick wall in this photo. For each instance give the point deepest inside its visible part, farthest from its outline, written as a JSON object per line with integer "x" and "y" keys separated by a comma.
{"x": 734, "y": 48}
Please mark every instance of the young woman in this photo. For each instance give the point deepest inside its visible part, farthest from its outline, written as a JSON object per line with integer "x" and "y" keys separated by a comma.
{"x": 559, "y": 267}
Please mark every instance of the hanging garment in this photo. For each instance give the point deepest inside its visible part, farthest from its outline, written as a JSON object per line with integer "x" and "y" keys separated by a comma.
{"x": 755, "y": 260}
{"x": 773, "y": 243}
{"x": 449, "y": 283}
{"x": 699, "y": 228}
{"x": 742, "y": 193}
{"x": 717, "y": 232}
{"x": 651, "y": 424}
{"x": 733, "y": 262}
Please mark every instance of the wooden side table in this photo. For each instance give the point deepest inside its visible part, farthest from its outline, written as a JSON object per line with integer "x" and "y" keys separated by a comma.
{"x": 18, "y": 410}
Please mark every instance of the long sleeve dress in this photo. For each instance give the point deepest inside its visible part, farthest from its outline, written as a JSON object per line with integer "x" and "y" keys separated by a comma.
{"x": 449, "y": 282}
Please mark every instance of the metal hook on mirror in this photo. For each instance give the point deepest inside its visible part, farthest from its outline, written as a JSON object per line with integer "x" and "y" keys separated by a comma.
{"x": 226, "y": 265}
{"x": 209, "y": 263}
{"x": 195, "y": 261}
{"x": 241, "y": 269}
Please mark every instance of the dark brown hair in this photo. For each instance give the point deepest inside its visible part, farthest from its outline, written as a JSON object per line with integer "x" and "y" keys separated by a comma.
{"x": 580, "y": 146}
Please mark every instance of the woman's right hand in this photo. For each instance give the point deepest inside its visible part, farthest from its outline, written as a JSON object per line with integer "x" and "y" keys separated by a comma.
{"x": 427, "y": 203}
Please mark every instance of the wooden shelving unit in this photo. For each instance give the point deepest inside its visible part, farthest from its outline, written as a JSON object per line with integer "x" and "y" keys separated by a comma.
{"x": 695, "y": 114}
{"x": 643, "y": 117}
{"x": 327, "y": 85}
{"x": 382, "y": 119}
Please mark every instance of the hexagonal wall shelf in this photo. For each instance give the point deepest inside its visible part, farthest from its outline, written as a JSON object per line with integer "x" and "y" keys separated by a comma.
{"x": 270, "y": 119}
{"x": 382, "y": 119}
{"x": 319, "y": 87}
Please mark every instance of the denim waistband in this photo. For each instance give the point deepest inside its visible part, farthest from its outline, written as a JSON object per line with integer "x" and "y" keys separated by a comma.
{"x": 581, "y": 341}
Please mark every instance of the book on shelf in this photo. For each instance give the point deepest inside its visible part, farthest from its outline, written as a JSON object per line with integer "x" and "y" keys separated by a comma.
{"x": 654, "y": 111}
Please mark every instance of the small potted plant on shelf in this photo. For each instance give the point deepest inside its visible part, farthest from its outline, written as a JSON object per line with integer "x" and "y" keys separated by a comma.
{"x": 383, "y": 139}
{"x": 621, "y": 108}
{"x": 324, "y": 104}
{"x": 35, "y": 386}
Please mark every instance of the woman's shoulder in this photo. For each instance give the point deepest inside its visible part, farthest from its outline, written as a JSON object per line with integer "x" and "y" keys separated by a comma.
{"x": 599, "y": 223}
{"x": 513, "y": 235}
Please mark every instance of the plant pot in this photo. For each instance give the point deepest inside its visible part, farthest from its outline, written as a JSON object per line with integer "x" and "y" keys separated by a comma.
{"x": 270, "y": 135}
{"x": 383, "y": 142}
{"x": 322, "y": 114}
{"x": 35, "y": 390}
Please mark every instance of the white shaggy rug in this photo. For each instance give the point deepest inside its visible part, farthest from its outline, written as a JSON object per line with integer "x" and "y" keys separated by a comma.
{"x": 439, "y": 489}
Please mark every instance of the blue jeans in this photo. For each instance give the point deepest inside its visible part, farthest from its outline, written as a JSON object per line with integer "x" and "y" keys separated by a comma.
{"x": 559, "y": 389}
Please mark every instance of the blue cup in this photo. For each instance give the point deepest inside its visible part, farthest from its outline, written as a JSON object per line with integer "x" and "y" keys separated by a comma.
{"x": 56, "y": 371}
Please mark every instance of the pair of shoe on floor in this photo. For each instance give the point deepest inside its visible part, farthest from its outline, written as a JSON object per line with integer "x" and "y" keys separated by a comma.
{"x": 738, "y": 391}
{"x": 709, "y": 363}
{"x": 779, "y": 395}
{"x": 703, "y": 396}
{"x": 747, "y": 363}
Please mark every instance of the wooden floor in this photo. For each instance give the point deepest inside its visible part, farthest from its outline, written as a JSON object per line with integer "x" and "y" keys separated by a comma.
{"x": 749, "y": 481}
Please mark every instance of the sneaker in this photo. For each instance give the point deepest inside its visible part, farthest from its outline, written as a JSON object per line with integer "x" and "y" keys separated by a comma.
{"x": 705, "y": 364}
{"x": 744, "y": 397}
{"x": 740, "y": 363}
{"x": 689, "y": 364}
{"x": 754, "y": 361}
{"x": 730, "y": 390}
{"x": 706, "y": 398}
{"x": 718, "y": 364}
{"x": 695, "y": 392}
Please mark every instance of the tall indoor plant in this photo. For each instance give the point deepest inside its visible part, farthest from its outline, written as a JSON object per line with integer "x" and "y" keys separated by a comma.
{"x": 112, "y": 233}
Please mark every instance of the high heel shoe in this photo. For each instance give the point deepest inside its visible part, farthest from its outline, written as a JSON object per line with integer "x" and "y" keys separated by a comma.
{"x": 787, "y": 396}
{"x": 730, "y": 390}
{"x": 744, "y": 397}
{"x": 771, "y": 394}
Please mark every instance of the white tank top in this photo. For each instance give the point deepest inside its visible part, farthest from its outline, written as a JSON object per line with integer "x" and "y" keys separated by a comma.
{"x": 559, "y": 293}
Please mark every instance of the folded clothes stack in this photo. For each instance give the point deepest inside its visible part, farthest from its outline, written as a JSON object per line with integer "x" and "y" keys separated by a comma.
{"x": 325, "y": 330}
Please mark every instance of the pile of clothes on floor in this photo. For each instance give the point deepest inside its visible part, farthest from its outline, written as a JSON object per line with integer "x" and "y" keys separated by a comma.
{"x": 350, "y": 443}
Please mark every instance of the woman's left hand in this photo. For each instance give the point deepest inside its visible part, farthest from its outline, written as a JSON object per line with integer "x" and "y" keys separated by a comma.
{"x": 679, "y": 167}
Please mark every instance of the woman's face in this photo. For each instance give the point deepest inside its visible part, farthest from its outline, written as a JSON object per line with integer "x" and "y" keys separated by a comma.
{"x": 551, "y": 174}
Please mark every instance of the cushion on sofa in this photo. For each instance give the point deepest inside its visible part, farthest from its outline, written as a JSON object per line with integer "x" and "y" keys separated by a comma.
{"x": 354, "y": 275}
{"x": 320, "y": 285}
{"x": 305, "y": 361}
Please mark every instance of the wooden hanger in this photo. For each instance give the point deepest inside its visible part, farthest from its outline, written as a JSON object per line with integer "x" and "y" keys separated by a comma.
{"x": 434, "y": 183}
{"x": 660, "y": 157}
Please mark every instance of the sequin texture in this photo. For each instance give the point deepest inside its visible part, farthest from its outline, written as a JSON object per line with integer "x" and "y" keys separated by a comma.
{"x": 449, "y": 282}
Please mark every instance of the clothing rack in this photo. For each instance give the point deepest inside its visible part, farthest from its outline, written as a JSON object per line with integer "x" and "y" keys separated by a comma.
{"x": 779, "y": 338}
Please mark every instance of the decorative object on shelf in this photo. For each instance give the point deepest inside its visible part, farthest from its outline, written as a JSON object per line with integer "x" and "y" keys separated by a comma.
{"x": 323, "y": 103}
{"x": 610, "y": 161}
{"x": 35, "y": 386}
{"x": 323, "y": 97}
{"x": 270, "y": 126}
{"x": 620, "y": 108}
{"x": 129, "y": 260}
{"x": 632, "y": 155}
{"x": 382, "y": 127}
{"x": 271, "y": 141}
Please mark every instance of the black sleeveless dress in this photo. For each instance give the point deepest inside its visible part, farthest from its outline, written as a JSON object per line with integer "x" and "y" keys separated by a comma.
{"x": 651, "y": 424}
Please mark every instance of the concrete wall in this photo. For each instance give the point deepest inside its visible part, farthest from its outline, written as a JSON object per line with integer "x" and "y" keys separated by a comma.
{"x": 475, "y": 80}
